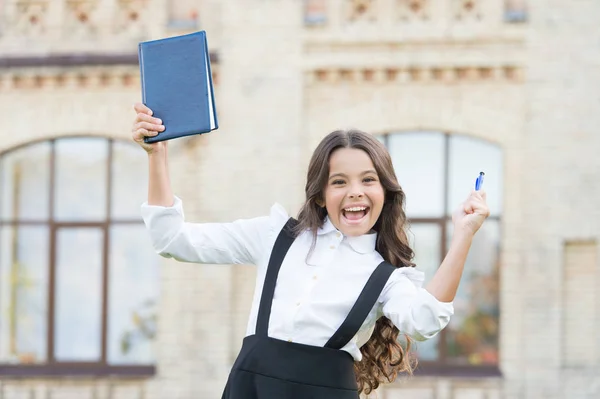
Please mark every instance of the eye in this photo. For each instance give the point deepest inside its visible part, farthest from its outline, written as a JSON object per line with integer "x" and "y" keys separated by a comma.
{"x": 336, "y": 182}
{"x": 369, "y": 179}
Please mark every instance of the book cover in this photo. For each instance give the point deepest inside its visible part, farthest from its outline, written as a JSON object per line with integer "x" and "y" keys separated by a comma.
{"x": 177, "y": 85}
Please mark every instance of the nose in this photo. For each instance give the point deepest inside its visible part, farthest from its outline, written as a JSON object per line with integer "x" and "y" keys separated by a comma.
{"x": 355, "y": 193}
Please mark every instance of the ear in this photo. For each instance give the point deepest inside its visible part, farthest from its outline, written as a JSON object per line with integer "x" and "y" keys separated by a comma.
{"x": 320, "y": 203}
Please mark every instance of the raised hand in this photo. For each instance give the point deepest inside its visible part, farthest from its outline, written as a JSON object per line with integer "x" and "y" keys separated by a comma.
{"x": 145, "y": 125}
{"x": 471, "y": 214}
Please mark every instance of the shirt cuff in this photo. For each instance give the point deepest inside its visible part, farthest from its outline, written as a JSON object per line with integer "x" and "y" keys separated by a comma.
{"x": 444, "y": 309}
{"x": 150, "y": 210}
{"x": 419, "y": 314}
{"x": 163, "y": 222}
{"x": 430, "y": 315}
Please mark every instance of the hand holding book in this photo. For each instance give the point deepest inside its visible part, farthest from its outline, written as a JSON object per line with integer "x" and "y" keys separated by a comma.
{"x": 145, "y": 125}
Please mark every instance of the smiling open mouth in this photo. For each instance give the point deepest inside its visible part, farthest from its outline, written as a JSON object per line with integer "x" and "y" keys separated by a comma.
{"x": 355, "y": 214}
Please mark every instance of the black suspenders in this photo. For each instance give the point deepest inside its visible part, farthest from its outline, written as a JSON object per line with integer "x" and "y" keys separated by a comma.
{"x": 363, "y": 305}
{"x": 282, "y": 245}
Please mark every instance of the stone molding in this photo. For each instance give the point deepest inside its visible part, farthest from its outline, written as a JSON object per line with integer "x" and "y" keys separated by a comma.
{"x": 416, "y": 74}
{"x": 83, "y": 78}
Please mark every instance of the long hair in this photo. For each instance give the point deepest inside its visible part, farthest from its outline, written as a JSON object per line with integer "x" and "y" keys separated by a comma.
{"x": 383, "y": 356}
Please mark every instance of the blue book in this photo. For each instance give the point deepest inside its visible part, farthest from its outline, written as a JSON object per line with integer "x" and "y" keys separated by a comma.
{"x": 177, "y": 85}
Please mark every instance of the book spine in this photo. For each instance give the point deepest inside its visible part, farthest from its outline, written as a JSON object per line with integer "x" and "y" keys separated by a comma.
{"x": 141, "y": 62}
{"x": 210, "y": 80}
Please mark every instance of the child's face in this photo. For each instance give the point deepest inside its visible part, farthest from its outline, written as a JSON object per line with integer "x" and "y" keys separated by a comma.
{"x": 353, "y": 195}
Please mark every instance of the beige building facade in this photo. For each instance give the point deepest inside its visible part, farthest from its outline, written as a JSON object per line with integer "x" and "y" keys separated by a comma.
{"x": 87, "y": 310}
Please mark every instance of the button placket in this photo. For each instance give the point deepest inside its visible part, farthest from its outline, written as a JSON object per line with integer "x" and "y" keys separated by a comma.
{"x": 336, "y": 241}
{"x": 295, "y": 311}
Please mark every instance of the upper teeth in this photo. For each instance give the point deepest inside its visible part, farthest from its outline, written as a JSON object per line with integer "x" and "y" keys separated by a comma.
{"x": 356, "y": 209}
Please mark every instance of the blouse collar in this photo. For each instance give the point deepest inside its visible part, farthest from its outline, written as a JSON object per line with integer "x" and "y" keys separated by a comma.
{"x": 363, "y": 244}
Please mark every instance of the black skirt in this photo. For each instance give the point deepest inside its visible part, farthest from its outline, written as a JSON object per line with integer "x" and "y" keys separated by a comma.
{"x": 275, "y": 369}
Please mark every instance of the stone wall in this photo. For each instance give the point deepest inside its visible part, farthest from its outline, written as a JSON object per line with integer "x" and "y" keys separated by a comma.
{"x": 282, "y": 86}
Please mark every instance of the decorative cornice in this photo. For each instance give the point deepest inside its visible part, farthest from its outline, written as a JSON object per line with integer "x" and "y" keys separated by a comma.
{"x": 86, "y": 77}
{"x": 76, "y": 60}
{"x": 416, "y": 74}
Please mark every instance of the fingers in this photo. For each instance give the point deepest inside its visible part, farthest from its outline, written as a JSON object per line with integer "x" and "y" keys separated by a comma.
{"x": 142, "y": 108}
{"x": 139, "y": 134}
{"x": 480, "y": 195}
{"x": 468, "y": 207}
{"x": 144, "y": 124}
{"x": 149, "y": 126}
{"x": 144, "y": 114}
{"x": 145, "y": 129}
{"x": 141, "y": 117}
{"x": 476, "y": 204}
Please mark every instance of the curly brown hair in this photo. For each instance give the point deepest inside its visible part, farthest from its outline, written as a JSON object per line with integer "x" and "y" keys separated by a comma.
{"x": 383, "y": 356}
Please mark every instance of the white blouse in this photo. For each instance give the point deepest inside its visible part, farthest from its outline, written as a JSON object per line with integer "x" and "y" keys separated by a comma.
{"x": 313, "y": 295}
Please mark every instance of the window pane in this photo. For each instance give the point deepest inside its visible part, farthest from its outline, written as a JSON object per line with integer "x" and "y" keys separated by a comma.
{"x": 23, "y": 294}
{"x": 129, "y": 180}
{"x": 315, "y": 12}
{"x": 132, "y": 297}
{"x": 78, "y": 294}
{"x": 425, "y": 240}
{"x": 472, "y": 335}
{"x": 419, "y": 163}
{"x": 468, "y": 157}
{"x": 81, "y": 166}
{"x": 25, "y": 182}
{"x": 515, "y": 10}
{"x": 183, "y": 14}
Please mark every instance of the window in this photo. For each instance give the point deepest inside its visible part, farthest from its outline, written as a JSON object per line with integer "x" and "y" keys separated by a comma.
{"x": 183, "y": 14}
{"x": 437, "y": 172}
{"x": 315, "y": 12}
{"x": 78, "y": 277}
{"x": 515, "y": 11}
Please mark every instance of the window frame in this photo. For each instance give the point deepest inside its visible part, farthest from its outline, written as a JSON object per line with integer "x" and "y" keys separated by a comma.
{"x": 442, "y": 367}
{"x": 52, "y": 367}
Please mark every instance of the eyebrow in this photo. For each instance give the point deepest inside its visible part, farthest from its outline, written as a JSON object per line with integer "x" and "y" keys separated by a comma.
{"x": 366, "y": 172}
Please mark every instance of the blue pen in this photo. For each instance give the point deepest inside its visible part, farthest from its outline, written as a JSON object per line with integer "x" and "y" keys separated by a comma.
{"x": 479, "y": 181}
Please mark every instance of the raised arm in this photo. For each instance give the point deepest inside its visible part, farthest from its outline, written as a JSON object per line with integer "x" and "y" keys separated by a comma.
{"x": 467, "y": 219}
{"x": 241, "y": 241}
{"x": 159, "y": 184}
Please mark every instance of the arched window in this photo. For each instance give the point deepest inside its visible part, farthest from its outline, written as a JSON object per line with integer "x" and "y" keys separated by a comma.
{"x": 437, "y": 172}
{"x": 78, "y": 277}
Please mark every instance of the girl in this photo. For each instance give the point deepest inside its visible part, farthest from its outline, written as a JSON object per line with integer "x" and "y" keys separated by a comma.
{"x": 335, "y": 287}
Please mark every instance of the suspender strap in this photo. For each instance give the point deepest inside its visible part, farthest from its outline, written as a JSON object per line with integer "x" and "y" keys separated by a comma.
{"x": 280, "y": 248}
{"x": 365, "y": 302}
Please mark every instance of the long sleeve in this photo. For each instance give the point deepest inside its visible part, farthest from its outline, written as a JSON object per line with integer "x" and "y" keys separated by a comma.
{"x": 411, "y": 308}
{"x": 239, "y": 242}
